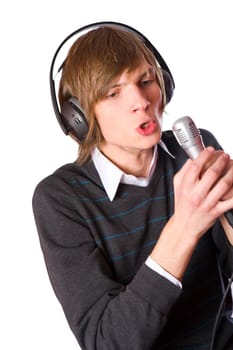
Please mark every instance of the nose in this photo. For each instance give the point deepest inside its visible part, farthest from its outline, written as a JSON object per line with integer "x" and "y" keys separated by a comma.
{"x": 139, "y": 101}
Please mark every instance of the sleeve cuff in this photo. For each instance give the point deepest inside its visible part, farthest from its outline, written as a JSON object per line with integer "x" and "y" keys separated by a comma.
{"x": 157, "y": 268}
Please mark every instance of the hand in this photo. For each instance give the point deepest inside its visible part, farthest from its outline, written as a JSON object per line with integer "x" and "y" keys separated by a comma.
{"x": 203, "y": 191}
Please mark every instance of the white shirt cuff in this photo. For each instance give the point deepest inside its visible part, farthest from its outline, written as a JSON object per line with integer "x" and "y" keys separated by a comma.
{"x": 157, "y": 268}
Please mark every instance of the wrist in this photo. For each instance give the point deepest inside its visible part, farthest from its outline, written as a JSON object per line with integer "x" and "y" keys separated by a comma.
{"x": 174, "y": 249}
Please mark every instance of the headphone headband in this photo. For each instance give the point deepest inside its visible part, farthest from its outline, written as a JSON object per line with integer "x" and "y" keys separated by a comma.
{"x": 169, "y": 81}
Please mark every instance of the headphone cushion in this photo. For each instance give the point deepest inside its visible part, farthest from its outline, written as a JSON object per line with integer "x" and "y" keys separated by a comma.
{"x": 74, "y": 118}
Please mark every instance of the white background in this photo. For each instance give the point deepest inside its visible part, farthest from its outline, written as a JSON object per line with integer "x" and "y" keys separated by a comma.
{"x": 195, "y": 37}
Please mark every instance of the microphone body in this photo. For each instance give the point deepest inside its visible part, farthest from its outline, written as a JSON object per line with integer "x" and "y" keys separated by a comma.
{"x": 189, "y": 138}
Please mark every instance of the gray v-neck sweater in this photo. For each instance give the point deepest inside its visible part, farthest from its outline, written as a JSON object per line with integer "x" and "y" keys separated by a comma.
{"x": 95, "y": 250}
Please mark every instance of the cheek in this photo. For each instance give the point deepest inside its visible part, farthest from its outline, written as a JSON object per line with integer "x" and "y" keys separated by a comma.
{"x": 106, "y": 125}
{"x": 111, "y": 128}
{"x": 159, "y": 100}
{"x": 160, "y": 117}
{"x": 109, "y": 121}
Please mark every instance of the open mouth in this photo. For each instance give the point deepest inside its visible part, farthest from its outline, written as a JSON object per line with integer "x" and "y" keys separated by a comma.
{"x": 146, "y": 128}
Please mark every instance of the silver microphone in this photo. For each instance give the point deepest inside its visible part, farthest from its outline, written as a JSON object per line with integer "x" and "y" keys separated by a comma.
{"x": 189, "y": 138}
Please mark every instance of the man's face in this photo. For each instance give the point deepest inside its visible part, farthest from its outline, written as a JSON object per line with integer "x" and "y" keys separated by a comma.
{"x": 130, "y": 114}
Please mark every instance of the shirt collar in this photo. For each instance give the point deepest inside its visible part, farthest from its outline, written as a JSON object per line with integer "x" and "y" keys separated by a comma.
{"x": 111, "y": 175}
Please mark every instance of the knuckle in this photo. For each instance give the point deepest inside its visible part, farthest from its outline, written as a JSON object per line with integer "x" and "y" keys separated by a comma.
{"x": 195, "y": 169}
{"x": 214, "y": 172}
{"x": 226, "y": 183}
{"x": 196, "y": 200}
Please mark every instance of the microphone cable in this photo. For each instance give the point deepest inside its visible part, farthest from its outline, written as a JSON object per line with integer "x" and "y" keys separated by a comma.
{"x": 189, "y": 138}
{"x": 219, "y": 312}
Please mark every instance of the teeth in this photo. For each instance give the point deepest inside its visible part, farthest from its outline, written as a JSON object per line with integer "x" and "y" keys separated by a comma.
{"x": 145, "y": 125}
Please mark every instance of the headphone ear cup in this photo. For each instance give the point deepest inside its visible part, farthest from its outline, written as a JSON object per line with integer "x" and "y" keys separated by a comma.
{"x": 74, "y": 118}
{"x": 169, "y": 85}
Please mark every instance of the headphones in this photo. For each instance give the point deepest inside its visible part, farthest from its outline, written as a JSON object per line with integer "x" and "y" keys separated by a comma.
{"x": 71, "y": 117}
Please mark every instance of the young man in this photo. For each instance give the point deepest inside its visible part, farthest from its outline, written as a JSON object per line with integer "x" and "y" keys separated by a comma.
{"x": 133, "y": 232}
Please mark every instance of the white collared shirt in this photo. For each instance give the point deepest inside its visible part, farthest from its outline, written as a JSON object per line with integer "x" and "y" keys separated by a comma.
{"x": 111, "y": 176}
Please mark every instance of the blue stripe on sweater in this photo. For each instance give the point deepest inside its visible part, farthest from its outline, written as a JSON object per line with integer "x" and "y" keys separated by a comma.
{"x": 131, "y": 210}
{"x": 132, "y": 252}
{"x": 133, "y": 231}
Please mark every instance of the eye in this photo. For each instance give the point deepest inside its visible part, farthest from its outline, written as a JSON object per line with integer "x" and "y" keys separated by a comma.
{"x": 146, "y": 82}
{"x": 148, "y": 79}
{"x": 112, "y": 94}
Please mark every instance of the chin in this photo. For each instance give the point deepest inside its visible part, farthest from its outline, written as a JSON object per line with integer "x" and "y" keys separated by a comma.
{"x": 154, "y": 139}
{"x": 149, "y": 145}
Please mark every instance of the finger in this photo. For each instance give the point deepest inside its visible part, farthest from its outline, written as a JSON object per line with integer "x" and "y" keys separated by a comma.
{"x": 193, "y": 171}
{"x": 182, "y": 172}
{"x": 217, "y": 170}
{"x": 204, "y": 185}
